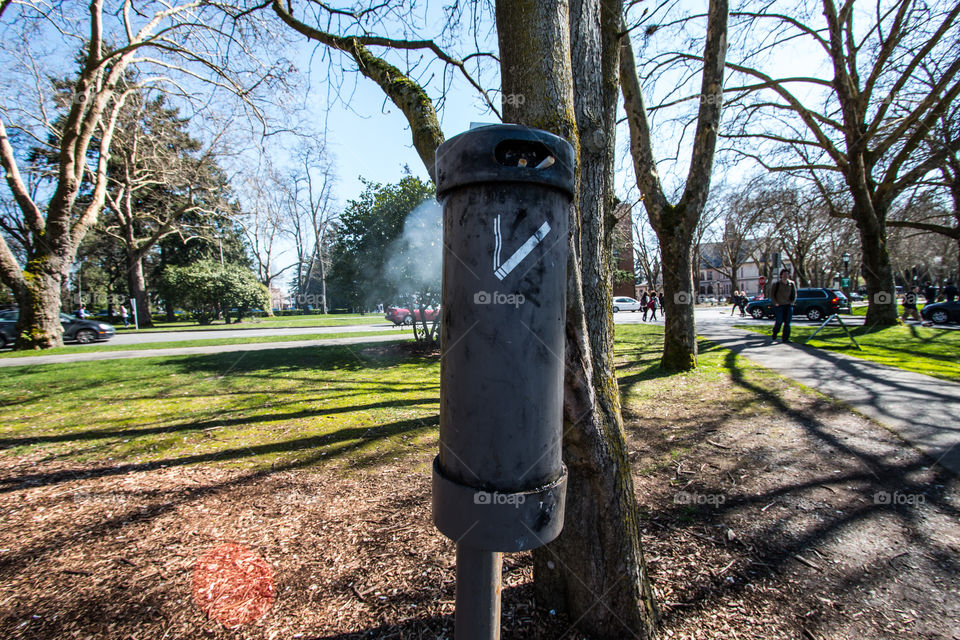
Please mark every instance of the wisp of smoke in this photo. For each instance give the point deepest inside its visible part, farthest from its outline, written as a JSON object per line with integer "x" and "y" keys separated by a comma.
{"x": 413, "y": 264}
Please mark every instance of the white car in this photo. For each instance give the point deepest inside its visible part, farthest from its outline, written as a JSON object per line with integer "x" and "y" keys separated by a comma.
{"x": 625, "y": 304}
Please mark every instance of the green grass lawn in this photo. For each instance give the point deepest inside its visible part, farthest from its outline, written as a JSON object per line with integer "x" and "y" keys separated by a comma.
{"x": 931, "y": 351}
{"x": 106, "y": 346}
{"x": 861, "y": 310}
{"x": 352, "y": 403}
{"x": 329, "y": 320}
{"x": 254, "y": 408}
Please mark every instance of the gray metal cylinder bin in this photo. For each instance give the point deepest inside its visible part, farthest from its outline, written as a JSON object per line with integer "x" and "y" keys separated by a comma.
{"x": 499, "y": 482}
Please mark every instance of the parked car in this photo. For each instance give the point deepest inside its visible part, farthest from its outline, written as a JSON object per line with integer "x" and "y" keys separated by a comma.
{"x": 401, "y": 315}
{"x": 843, "y": 303}
{"x": 816, "y": 304}
{"x": 623, "y": 303}
{"x": 941, "y": 312}
{"x": 74, "y": 329}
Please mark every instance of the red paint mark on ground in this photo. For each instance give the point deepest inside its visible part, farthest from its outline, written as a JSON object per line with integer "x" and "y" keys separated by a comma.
{"x": 233, "y": 585}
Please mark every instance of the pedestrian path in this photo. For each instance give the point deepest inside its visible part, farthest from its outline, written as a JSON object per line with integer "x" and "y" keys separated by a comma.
{"x": 923, "y": 410}
{"x": 191, "y": 351}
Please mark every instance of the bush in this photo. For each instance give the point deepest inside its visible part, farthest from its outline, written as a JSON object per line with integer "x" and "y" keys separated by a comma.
{"x": 208, "y": 290}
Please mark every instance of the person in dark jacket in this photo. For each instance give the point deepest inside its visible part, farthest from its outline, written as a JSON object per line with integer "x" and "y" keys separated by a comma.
{"x": 783, "y": 294}
{"x": 929, "y": 292}
{"x": 950, "y": 292}
{"x": 644, "y": 299}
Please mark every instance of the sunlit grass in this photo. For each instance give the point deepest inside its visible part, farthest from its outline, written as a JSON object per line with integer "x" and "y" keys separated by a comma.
{"x": 351, "y": 404}
{"x": 926, "y": 350}
{"x": 254, "y": 408}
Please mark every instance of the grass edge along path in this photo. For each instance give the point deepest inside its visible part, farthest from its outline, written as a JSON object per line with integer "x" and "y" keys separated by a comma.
{"x": 925, "y": 350}
{"x": 179, "y": 344}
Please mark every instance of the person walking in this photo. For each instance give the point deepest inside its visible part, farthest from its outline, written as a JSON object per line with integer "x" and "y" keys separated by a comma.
{"x": 929, "y": 292}
{"x": 660, "y": 303}
{"x": 644, "y": 299}
{"x": 910, "y": 299}
{"x": 783, "y": 294}
{"x": 123, "y": 315}
{"x": 743, "y": 303}
{"x": 652, "y": 306}
{"x": 735, "y": 299}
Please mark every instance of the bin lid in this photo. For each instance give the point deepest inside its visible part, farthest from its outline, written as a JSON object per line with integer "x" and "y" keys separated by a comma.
{"x": 505, "y": 153}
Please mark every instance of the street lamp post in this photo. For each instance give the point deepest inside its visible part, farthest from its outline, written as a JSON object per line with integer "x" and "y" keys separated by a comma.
{"x": 846, "y": 274}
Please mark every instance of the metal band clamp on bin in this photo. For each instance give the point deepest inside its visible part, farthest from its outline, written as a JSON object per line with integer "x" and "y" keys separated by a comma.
{"x": 499, "y": 483}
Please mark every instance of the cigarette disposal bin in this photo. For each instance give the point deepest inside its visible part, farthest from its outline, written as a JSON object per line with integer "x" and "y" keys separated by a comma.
{"x": 499, "y": 482}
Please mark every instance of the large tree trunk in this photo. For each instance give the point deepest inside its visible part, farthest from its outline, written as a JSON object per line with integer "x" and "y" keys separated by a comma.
{"x": 39, "y": 301}
{"x": 877, "y": 272}
{"x": 680, "y": 331}
{"x": 138, "y": 288}
{"x": 595, "y": 570}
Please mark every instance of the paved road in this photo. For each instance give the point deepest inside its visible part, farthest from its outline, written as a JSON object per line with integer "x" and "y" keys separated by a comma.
{"x": 124, "y": 338}
{"x": 81, "y": 356}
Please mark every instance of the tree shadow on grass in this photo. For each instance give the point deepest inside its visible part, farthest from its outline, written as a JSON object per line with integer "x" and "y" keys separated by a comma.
{"x": 201, "y": 425}
{"x": 354, "y": 437}
{"x": 772, "y": 548}
{"x": 352, "y": 357}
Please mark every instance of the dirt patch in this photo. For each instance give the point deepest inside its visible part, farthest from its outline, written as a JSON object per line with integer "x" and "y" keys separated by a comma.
{"x": 770, "y": 513}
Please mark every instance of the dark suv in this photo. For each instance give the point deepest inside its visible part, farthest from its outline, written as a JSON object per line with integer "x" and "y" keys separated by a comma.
{"x": 816, "y": 304}
{"x": 82, "y": 331}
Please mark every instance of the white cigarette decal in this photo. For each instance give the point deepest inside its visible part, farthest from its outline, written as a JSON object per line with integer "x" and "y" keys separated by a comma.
{"x": 499, "y": 243}
{"x": 502, "y": 271}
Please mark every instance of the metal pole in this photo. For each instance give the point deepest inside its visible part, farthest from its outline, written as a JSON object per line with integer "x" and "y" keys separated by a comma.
{"x": 478, "y": 594}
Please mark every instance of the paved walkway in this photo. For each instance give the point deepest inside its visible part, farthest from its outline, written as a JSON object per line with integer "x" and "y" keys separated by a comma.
{"x": 190, "y": 351}
{"x": 923, "y": 410}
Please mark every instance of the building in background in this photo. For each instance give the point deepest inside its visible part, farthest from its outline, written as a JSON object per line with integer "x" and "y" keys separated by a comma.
{"x": 751, "y": 276}
{"x": 625, "y": 275}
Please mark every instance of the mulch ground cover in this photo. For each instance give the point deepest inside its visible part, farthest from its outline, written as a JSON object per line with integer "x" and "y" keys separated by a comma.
{"x": 769, "y": 512}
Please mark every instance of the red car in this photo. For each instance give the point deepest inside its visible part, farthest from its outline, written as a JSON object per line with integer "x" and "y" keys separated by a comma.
{"x": 400, "y": 315}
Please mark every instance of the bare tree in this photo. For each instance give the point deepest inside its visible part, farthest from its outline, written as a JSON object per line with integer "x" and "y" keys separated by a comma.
{"x": 264, "y": 223}
{"x": 178, "y": 43}
{"x": 646, "y": 251}
{"x": 859, "y": 109}
{"x": 676, "y": 224}
{"x": 315, "y": 216}
{"x": 741, "y": 210}
{"x": 157, "y": 176}
{"x": 947, "y": 129}
{"x": 921, "y": 244}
